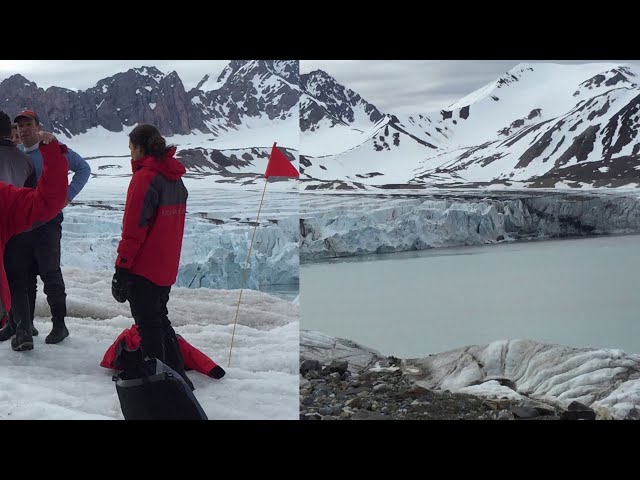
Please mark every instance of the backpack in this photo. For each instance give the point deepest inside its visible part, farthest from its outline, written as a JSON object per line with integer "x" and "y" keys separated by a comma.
{"x": 155, "y": 391}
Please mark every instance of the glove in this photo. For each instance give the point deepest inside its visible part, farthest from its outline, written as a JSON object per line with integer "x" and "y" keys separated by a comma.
{"x": 120, "y": 285}
{"x": 216, "y": 372}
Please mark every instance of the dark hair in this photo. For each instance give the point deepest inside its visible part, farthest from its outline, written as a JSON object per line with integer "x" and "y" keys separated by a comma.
{"x": 148, "y": 137}
{"x": 5, "y": 124}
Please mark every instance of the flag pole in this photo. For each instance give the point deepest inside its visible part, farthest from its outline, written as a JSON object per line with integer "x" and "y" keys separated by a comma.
{"x": 246, "y": 263}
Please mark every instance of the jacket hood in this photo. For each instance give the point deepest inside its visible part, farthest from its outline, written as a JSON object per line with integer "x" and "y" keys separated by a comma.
{"x": 169, "y": 167}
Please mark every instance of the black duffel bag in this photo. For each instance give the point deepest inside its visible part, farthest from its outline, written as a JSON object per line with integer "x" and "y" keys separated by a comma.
{"x": 154, "y": 391}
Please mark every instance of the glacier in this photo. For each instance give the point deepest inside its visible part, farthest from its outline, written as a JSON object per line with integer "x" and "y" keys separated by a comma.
{"x": 340, "y": 225}
{"x": 218, "y": 232}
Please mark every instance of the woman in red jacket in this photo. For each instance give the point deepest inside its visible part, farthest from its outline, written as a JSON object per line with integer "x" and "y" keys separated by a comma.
{"x": 149, "y": 249}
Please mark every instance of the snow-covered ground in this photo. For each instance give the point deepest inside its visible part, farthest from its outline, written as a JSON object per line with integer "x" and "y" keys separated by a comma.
{"x": 66, "y": 381}
{"x": 331, "y": 140}
{"x": 258, "y": 132}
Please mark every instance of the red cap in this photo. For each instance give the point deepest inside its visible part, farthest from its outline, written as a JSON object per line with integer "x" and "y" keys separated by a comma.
{"x": 28, "y": 114}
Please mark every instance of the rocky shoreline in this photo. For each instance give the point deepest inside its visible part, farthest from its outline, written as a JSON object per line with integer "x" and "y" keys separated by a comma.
{"x": 340, "y": 380}
{"x": 331, "y": 392}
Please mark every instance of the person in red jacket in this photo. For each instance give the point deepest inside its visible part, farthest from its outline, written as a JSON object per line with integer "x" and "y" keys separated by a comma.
{"x": 121, "y": 352}
{"x": 21, "y": 207}
{"x": 149, "y": 249}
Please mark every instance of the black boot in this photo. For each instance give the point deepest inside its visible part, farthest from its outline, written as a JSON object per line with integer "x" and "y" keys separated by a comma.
{"x": 8, "y": 330}
{"x": 59, "y": 331}
{"x": 23, "y": 340}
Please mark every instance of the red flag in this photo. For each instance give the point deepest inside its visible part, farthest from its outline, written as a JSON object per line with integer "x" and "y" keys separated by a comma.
{"x": 279, "y": 165}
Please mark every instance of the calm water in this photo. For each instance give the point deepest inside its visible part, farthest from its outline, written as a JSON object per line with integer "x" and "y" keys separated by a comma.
{"x": 582, "y": 292}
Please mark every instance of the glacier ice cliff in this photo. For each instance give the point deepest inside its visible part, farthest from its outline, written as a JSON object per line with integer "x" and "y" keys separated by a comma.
{"x": 358, "y": 225}
{"x": 213, "y": 252}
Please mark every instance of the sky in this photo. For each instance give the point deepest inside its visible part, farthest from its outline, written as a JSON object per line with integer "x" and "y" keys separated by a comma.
{"x": 418, "y": 86}
{"x": 83, "y": 74}
{"x": 66, "y": 381}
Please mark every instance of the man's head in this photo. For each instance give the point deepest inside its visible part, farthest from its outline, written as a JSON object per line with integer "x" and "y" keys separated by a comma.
{"x": 28, "y": 127}
{"x": 15, "y": 138}
{"x": 5, "y": 125}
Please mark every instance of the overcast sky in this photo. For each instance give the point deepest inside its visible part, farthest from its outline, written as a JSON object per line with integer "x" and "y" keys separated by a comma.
{"x": 83, "y": 74}
{"x": 418, "y": 86}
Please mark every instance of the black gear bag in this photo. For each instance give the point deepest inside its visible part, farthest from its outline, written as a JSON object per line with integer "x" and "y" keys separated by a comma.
{"x": 154, "y": 391}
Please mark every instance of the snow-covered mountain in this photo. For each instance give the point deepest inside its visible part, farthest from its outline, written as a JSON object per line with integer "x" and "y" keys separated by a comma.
{"x": 223, "y": 128}
{"x": 538, "y": 125}
{"x": 245, "y": 92}
{"x": 332, "y": 116}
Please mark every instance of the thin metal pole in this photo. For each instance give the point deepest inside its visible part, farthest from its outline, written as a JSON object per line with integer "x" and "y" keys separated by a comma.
{"x": 244, "y": 272}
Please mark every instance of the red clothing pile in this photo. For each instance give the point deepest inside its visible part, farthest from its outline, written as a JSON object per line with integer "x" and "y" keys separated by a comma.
{"x": 129, "y": 340}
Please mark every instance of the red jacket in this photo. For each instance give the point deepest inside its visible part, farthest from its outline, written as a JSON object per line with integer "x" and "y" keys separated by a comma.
{"x": 153, "y": 222}
{"x": 193, "y": 358}
{"x": 20, "y": 207}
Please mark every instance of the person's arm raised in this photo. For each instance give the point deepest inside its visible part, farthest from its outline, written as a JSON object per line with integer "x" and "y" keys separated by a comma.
{"x": 21, "y": 207}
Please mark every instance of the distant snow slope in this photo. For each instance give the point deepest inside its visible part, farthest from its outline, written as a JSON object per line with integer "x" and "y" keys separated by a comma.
{"x": 538, "y": 125}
